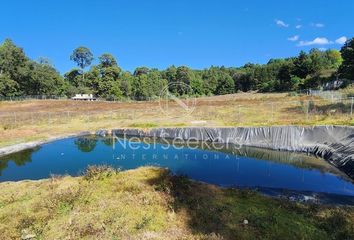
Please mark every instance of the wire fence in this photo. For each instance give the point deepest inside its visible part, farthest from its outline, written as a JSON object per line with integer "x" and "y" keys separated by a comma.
{"x": 258, "y": 112}
{"x": 55, "y": 97}
{"x": 325, "y": 94}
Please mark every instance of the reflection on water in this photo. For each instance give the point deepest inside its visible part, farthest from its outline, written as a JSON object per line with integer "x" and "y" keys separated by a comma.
{"x": 300, "y": 160}
{"x": 86, "y": 143}
{"x": 216, "y": 164}
{"x": 19, "y": 159}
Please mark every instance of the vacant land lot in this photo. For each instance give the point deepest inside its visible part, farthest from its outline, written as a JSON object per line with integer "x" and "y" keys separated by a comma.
{"x": 39, "y": 119}
{"x": 148, "y": 203}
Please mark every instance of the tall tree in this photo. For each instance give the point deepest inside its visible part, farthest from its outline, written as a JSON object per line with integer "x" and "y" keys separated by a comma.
{"x": 302, "y": 65}
{"x": 74, "y": 78}
{"x": 334, "y": 58}
{"x": 8, "y": 87}
{"x": 83, "y": 58}
{"x": 107, "y": 60}
{"x": 15, "y": 66}
{"x": 347, "y": 67}
{"x": 12, "y": 58}
{"x": 141, "y": 70}
{"x": 45, "y": 80}
{"x": 226, "y": 85}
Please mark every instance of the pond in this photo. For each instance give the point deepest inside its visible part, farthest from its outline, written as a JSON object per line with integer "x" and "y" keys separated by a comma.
{"x": 228, "y": 166}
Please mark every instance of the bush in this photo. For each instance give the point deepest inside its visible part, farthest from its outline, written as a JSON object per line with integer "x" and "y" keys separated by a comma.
{"x": 99, "y": 172}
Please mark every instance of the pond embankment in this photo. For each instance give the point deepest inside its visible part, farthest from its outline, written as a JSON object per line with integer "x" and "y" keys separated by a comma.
{"x": 335, "y": 144}
{"x": 27, "y": 145}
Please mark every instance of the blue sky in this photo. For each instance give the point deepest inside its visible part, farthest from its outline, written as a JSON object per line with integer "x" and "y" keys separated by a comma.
{"x": 161, "y": 33}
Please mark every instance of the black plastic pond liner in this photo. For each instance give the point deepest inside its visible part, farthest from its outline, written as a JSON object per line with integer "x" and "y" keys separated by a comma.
{"x": 333, "y": 143}
{"x": 308, "y": 197}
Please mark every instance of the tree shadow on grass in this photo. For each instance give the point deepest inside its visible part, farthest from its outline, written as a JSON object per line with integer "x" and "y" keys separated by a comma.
{"x": 219, "y": 213}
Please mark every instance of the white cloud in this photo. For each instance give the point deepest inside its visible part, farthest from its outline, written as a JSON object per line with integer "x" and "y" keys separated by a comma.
{"x": 317, "y": 25}
{"x": 341, "y": 40}
{"x": 281, "y": 23}
{"x": 294, "y": 38}
{"x": 316, "y": 41}
{"x": 322, "y": 49}
{"x": 298, "y": 26}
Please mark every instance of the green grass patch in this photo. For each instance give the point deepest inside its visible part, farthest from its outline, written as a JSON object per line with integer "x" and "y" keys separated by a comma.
{"x": 143, "y": 125}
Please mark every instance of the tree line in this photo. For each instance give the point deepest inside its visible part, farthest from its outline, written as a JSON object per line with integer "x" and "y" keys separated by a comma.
{"x": 19, "y": 75}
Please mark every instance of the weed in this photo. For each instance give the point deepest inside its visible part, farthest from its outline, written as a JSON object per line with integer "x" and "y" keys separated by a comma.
{"x": 143, "y": 223}
{"x": 143, "y": 125}
{"x": 99, "y": 172}
{"x": 61, "y": 201}
{"x": 164, "y": 207}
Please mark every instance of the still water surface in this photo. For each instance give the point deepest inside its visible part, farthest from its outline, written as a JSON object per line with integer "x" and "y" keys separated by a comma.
{"x": 224, "y": 166}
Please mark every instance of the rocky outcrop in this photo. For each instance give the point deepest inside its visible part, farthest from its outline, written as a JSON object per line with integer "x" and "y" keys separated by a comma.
{"x": 333, "y": 143}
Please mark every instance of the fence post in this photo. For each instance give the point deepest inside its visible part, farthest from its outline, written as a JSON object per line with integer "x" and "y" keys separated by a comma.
{"x": 272, "y": 111}
{"x": 239, "y": 113}
{"x": 351, "y": 106}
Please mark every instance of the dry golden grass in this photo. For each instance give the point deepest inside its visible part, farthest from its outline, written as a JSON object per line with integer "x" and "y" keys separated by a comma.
{"x": 148, "y": 203}
{"x": 40, "y": 119}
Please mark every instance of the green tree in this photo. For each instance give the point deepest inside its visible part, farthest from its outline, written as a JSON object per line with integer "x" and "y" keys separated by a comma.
{"x": 45, "y": 80}
{"x": 15, "y": 67}
{"x": 184, "y": 76}
{"x": 302, "y": 66}
{"x": 334, "y": 58}
{"x": 107, "y": 60}
{"x": 83, "y": 58}
{"x": 126, "y": 84}
{"x": 140, "y": 87}
{"x": 8, "y": 87}
{"x": 285, "y": 82}
{"x": 347, "y": 67}
{"x": 155, "y": 83}
{"x": 109, "y": 83}
{"x": 170, "y": 74}
{"x": 141, "y": 70}
{"x": 226, "y": 85}
{"x": 74, "y": 77}
{"x": 12, "y": 60}
{"x": 197, "y": 85}
{"x": 210, "y": 80}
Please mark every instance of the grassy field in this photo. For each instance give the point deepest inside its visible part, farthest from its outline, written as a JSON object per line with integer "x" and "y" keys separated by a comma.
{"x": 40, "y": 119}
{"x": 148, "y": 203}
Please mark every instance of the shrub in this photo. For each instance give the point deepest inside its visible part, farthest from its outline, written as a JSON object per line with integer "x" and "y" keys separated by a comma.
{"x": 99, "y": 172}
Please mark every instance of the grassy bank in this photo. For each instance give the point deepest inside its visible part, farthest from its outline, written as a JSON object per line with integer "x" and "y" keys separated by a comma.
{"x": 148, "y": 203}
{"x": 40, "y": 119}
